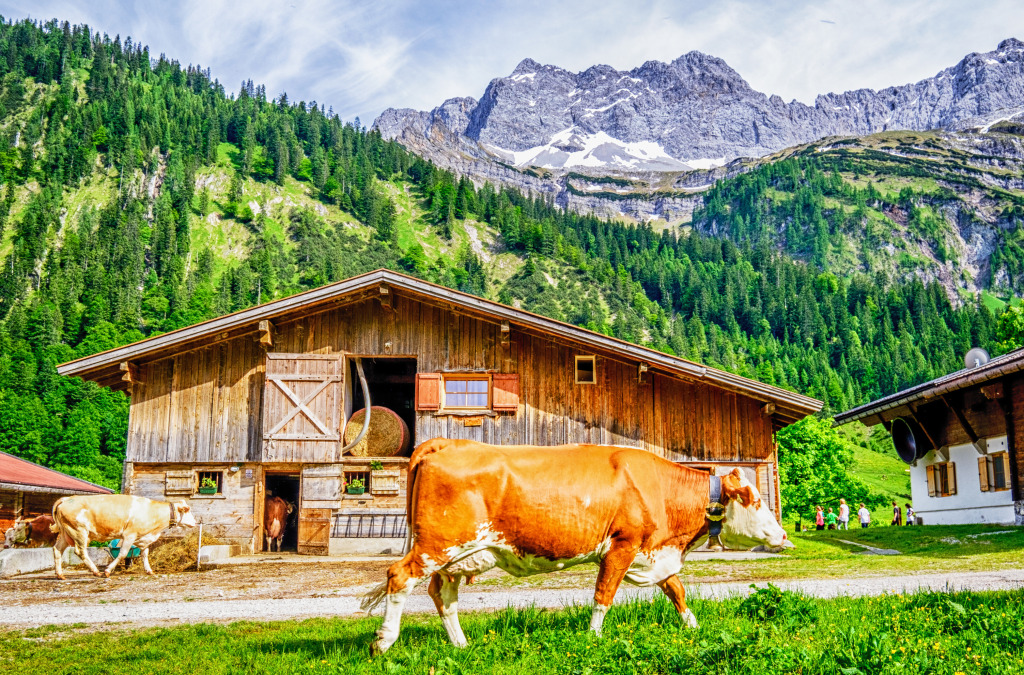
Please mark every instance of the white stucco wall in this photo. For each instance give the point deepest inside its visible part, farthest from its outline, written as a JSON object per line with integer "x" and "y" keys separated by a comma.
{"x": 969, "y": 504}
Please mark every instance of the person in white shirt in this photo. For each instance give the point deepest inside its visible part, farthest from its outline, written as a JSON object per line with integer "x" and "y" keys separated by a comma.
{"x": 844, "y": 515}
{"x": 864, "y": 515}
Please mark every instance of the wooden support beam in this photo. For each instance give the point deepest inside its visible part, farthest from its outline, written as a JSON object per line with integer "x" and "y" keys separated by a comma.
{"x": 386, "y": 296}
{"x": 641, "y": 373}
{"x": 130, "y": 373}
{"x": 768, "y": 409}
{"x": 265, "y": 334}
{"x": 506, "y": 333}
{"x": 979, "y": 446}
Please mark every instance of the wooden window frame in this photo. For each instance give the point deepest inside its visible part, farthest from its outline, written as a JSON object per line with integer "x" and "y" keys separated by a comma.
{"x": 216, "y": 475}
{"x": 576, "y": 372}
{"x": 987, "y": 472}
{"x": 941, "y": 479}
{"x": 461, "y": 377}
{"x": 364, "y": 474}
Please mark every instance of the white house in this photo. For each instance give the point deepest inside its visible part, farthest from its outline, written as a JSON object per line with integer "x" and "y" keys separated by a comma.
{"x": 963, "y": 436}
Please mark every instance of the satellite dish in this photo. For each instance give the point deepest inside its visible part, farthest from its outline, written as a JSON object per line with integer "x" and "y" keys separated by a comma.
{"x": 976, "y": 357}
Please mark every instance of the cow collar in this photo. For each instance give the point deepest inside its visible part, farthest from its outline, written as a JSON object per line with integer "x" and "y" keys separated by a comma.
{"x": 715, "y": 513}
{"x": 174, "y": 515}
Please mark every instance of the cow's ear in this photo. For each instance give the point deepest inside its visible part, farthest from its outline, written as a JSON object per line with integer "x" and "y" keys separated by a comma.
{"x": 732, "y": 489}
{"x": 184, "y": 508}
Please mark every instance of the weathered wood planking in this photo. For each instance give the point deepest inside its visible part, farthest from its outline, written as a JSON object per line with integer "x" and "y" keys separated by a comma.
{"x": 206, "y": 405}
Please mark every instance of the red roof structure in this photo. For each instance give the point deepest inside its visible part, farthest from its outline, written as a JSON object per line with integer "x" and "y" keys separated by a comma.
{"x": 21, "y": 474}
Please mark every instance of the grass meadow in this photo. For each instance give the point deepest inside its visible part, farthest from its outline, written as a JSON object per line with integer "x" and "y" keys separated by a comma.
{"x": 771, "y": 632}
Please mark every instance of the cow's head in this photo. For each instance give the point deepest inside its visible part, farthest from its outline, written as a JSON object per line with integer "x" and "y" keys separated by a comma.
{"x": 17, "y": 535}
{"x": 291, "y": 508}
{"x": 748, "y": 520}
{"x": 185, "y": 517}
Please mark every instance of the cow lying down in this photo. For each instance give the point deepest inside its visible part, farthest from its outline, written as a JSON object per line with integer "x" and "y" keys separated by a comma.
{"x": 529, "y": 510}
{"x": 136, "y": 521}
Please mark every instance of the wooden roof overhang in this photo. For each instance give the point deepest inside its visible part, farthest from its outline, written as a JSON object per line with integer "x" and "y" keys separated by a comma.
{"x": 106, "y": 368}
{"x": 906, "y": 402}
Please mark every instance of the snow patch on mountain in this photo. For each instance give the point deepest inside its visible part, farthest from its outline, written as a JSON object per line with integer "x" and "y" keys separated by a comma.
{"x": 573, "y": 148}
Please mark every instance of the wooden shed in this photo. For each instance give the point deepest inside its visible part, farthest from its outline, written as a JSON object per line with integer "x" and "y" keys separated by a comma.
{"x": 963, "y": 436}
{"x": 28, "y": 489}
{"x": 257, "y": 402}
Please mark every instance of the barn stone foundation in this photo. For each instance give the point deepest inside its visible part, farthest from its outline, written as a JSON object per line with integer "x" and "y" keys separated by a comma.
{"x": 1018, "y": 512}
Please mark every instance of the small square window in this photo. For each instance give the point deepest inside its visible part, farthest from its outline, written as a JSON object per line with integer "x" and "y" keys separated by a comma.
{"x": 210, "y": 482}
{"x": 466, "y": 392}
{"x": 586, "y": 370}
{"x": 364, "y": 480}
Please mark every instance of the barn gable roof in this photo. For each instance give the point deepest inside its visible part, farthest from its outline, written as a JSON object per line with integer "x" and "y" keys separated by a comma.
{"x": 18, "y": 474}
{"x": 105, "y": 367}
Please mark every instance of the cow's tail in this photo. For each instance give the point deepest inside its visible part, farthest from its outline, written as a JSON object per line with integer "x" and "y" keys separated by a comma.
{"x": 55, "y": 527}
{"x": 374, "y": 597}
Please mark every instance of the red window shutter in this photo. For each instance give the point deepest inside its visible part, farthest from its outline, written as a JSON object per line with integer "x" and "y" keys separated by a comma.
{"x": 505, "y": 396}
{"x": 428, "y": 391}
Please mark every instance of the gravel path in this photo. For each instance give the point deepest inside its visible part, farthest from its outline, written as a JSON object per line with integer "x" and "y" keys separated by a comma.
{"x": 151, "y": 613}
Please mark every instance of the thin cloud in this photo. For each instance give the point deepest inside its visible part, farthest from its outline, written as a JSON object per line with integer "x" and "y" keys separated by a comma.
{"x": 361, "y": 57}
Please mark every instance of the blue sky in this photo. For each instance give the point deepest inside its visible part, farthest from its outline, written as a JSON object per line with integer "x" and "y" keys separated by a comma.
{"x": 362, "y": 57}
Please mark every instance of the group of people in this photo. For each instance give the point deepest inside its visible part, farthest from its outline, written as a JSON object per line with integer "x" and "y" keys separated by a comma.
{"x": 841, "y": 520}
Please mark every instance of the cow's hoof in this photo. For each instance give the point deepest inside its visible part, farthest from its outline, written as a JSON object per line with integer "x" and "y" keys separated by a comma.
{"x": 106, "y": 575}
{"x": 689, "y": 620}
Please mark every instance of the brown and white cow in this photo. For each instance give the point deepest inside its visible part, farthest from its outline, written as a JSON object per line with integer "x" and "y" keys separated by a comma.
{"x": 275, "y": 520}
{"x": 31, "y": 533}
{"x": 529, "y": 510}
{"x": 136, "y": 521}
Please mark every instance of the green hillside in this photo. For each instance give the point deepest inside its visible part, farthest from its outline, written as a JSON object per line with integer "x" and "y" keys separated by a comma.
{"x": 139, "y": 197}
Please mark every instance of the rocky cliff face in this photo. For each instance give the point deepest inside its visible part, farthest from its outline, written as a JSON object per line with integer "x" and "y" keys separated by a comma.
{"x": 533, "y": 127}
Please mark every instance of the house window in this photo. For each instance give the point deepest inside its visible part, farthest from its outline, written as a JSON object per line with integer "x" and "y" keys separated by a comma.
{"x": 586, "y": 370}
{"x": 994, "y": 472}
{"x": 467, "y": 392}
{"x": 210, "y": 479}
{"x": 941, "y": 479}
{"x": 363, "y": 476}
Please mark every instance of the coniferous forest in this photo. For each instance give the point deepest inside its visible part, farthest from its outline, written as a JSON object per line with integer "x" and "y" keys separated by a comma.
{"x": 105, "y": 185}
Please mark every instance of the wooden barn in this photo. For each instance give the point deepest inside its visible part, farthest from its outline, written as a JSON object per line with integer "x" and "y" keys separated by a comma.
{"x": 257, "y": 402}
{"x": 963, "y": 436}
{"x": 28, "y": 490}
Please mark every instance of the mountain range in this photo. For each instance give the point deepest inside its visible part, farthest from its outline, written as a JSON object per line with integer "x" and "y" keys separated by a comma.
{"x": 534, "y": 127}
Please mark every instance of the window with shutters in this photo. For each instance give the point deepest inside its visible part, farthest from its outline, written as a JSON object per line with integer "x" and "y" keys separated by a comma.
{"x": 467, "y": 392}
{"x": 994, "y": 472}
{"x": 941, "y": 479}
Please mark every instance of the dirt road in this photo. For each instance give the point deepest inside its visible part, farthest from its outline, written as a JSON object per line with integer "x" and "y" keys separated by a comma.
{"x": 267, "y": 592}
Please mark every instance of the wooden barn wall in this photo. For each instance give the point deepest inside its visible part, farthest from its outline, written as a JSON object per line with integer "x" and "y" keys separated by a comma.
{"x": 200, "y": 406}
{"x": 678, "y": 419}
{"x": 228, "y": 516}
{"x": 205, "y": 405}
{"x": 1015, "y": 391}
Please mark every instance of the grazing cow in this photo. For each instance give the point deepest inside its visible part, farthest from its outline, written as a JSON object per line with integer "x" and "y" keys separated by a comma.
{"x": 275, "y": 520}
{"x": 31, "y": 533}
{"x": 136, "y": 521}
{"x": 529, "y": 510}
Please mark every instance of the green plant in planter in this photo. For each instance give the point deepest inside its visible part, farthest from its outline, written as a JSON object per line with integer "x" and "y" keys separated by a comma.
{"x": 208, "y": 486}
{"x": 376, "y": 465}
{"x": 355, "y": 486}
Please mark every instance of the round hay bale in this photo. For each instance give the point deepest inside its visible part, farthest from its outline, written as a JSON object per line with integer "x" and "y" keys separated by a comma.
{"x": 388, "y": 435}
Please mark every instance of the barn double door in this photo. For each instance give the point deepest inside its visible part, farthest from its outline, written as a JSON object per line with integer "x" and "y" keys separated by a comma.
{"x": 303, "y": 407}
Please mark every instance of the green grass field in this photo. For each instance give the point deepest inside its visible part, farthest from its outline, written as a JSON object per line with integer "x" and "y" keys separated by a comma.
{"x": 773, "y": 632}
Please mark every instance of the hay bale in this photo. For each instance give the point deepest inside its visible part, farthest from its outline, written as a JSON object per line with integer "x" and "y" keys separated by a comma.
{"x": 388, "y": 435}
{"x": 171, "y": 556}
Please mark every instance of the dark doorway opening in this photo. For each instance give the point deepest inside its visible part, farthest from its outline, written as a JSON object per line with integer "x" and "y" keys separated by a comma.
{"x": 392, "y": 384}
{"x": 286, "y": 486}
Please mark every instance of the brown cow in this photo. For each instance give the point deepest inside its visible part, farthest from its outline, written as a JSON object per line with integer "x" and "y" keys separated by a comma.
{"x": 136, "y": 521}
{"x": 275, "y": 520}
{"x": 529, "y": 510}
{"x": 31, "y": 533}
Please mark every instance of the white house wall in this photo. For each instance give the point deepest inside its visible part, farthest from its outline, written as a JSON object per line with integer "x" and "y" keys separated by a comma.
{"x": 969, "y": 504}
